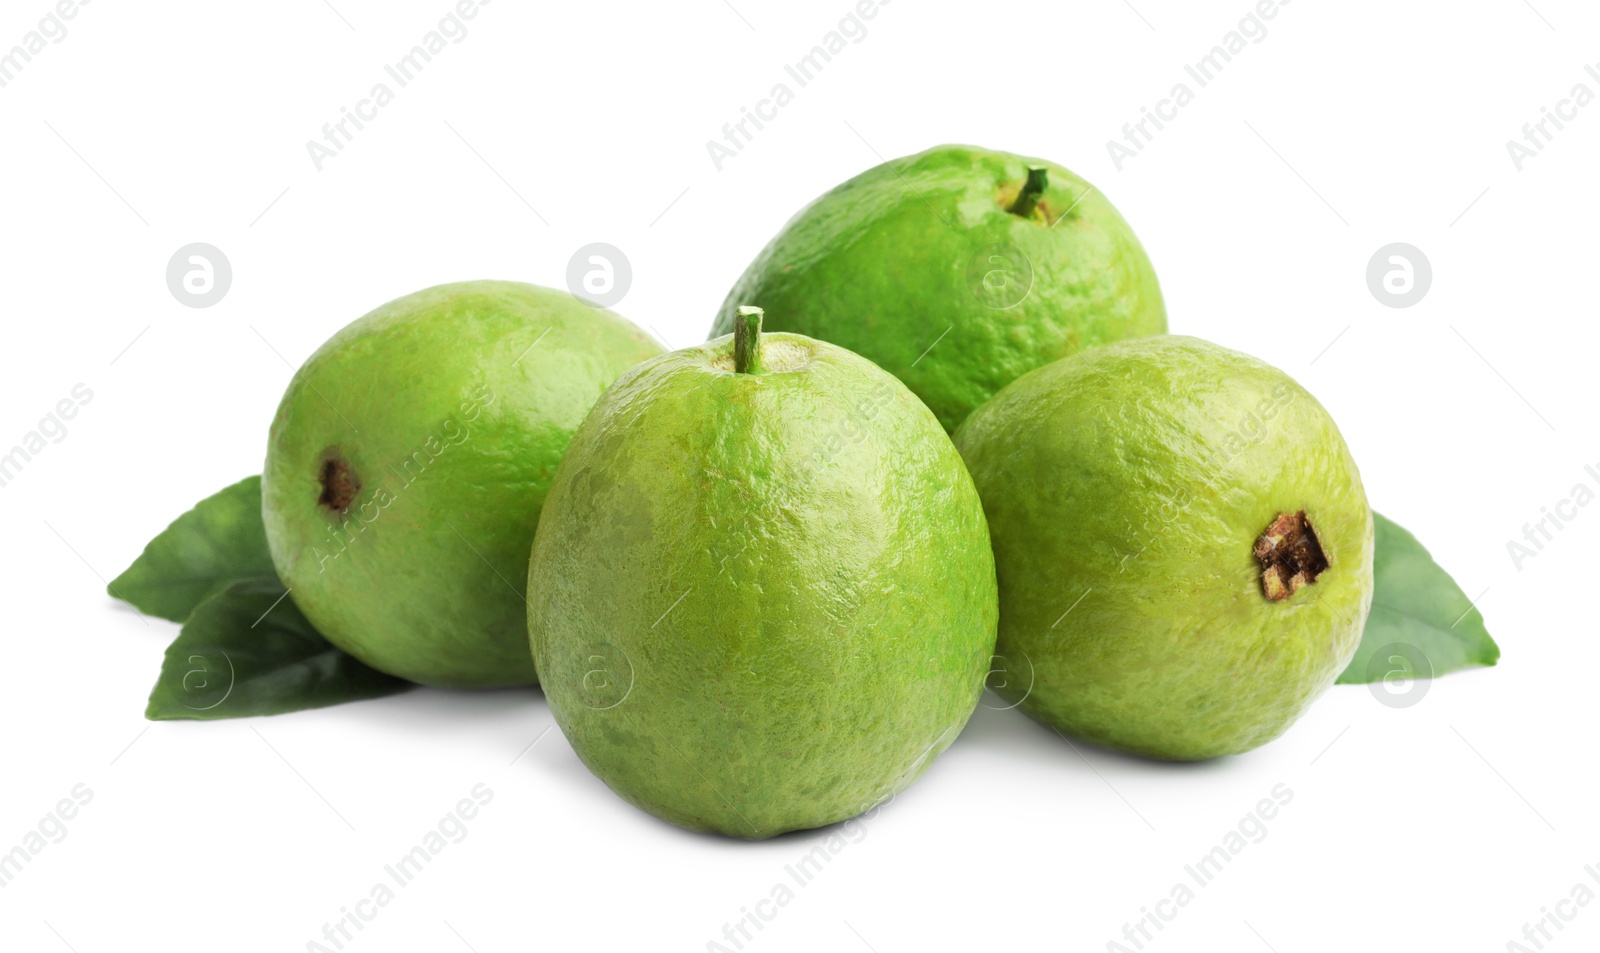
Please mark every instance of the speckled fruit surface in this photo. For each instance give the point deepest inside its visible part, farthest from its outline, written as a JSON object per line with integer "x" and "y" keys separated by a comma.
{"x": 762, "y": 601}
{"x": 928, "y": 267}
{"x": 1183, "y": 545}
{"x": 408, "y": 462}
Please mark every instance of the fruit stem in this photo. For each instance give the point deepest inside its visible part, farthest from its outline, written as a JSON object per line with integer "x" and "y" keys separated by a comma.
{"x": 747, "y": 341}
{"x": 1028, "y": 198}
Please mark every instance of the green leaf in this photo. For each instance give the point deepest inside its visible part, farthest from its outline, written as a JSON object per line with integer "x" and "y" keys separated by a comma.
{"x": 220, "y": 541}
{"x": 247, "y": 650}
{"x": 1415, "y": 603}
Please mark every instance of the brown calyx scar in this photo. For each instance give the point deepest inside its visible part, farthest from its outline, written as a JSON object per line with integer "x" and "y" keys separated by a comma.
{"x": 1290, "y": 555}
{"x": 340, "y": 485}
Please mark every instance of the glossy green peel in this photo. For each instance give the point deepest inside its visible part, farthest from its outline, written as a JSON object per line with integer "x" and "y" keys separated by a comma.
{"x": 762, "y": 596}
{"x": 408, "y": 462}
{"x": 1183, "y": 545}
{"x": 957, "y": 270}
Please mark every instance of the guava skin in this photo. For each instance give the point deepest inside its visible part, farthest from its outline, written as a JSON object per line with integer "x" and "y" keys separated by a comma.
{"x": 1126, "y": 488}
{"x": 884, "y": 264}
{"x": 761, "y": 602}
{"x": 443, "y": 421}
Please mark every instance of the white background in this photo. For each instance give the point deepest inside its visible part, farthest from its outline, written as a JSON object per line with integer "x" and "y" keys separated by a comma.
{"x": 1443, "y": 826}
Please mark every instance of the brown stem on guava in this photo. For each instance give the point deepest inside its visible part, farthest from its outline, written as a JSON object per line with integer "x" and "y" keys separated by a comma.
{"x": 1032, "y": 190}
{"x": 1290, "y": 555}
{"x": 747, "y": 341}
{"x": 340, "y": 485}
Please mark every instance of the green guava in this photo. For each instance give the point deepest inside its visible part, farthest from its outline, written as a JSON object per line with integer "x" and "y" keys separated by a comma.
{"x": 408, "y": 461}
{"x": 957, "y": 270}
{"x": 762, "y": 596}
{"x": 1182, "y": 541}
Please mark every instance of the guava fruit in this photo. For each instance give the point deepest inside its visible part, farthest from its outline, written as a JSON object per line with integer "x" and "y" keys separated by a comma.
{"x": 1183, "y": 545}
{"x": 957, "y": 270}
{"x": 762, "y": 596}
{"x": 407, "y": 464}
